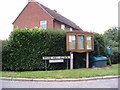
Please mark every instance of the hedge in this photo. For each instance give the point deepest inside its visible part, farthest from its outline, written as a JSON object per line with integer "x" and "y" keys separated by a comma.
{"x": 25, "y": 49}
{"x": 115, "y": 58}
{"x": 99, "y": 45}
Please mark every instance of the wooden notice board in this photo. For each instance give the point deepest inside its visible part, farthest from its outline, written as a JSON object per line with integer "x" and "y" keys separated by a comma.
{"x": 79, "y": 41}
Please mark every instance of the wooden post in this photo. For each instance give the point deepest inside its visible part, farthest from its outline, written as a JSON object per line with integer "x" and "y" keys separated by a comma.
{"x": 109, "y": 60}
{"x": 87, "y": 59}
{"x": 45, "y": 65}
{"x": 67, "y": 64}
{"x": 71, "y": 60}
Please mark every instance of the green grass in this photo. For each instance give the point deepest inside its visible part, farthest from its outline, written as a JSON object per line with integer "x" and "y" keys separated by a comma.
{"x": 59, "y": 74}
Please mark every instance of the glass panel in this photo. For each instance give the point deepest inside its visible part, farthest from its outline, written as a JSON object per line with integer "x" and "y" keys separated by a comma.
{"x": 43, "y": 24}
{"x": 89, "y": 42}
{"x": 80, "y": 42}
{"x": 72, "y": 41}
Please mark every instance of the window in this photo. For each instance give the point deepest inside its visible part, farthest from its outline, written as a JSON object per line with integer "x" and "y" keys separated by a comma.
{"x": 43, "y": 24}
{"x": 63, "y": 26}
{"x": 80, "y": 42}
{"x": 89, "y": 42}
{"x": 71, "y": 29}
{"x": 72, "y": 42}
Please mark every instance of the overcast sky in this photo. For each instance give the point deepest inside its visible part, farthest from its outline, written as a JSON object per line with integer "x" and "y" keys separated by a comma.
{"x": 90, "y": 15}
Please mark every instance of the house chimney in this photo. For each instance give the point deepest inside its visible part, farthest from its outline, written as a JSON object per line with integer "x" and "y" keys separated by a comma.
{"x": 55, "y": 11}
{"x": 31, "y": 0}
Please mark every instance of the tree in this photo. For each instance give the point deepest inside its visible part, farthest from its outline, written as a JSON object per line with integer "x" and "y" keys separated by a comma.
{"x": 111, "y": 37}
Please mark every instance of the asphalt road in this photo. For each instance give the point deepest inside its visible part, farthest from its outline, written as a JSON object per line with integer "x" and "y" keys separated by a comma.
{"x": 106, "y": 83}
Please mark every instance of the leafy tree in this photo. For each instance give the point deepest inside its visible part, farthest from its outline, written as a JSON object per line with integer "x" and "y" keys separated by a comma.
{"x": 111, "y": 37}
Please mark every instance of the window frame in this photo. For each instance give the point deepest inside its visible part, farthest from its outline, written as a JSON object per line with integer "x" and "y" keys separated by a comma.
{"x": 45, "y": 23}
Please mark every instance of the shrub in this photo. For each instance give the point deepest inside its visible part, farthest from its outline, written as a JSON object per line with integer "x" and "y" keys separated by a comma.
{"x": 115, "y": 56}
{"x": 99, "y": 45}
{"x": 27, "y": 47}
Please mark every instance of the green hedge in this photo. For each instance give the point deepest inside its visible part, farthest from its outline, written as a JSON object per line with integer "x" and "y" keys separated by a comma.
{"x": 115, "y": 58}
{"x": 99, "y": 45}
{"x": 25, "y": 49}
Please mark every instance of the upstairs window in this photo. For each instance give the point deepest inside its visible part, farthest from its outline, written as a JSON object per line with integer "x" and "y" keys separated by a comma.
{"x": 62, "y": 26}
{"x": 43, "y": 24}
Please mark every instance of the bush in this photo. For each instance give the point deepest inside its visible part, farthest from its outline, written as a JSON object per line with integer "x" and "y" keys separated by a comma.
{"x": 115, "y": 56}
{"x": 99, "y": 45}
{"x": 111, "y": 38}
{"x": 27, "y": 47}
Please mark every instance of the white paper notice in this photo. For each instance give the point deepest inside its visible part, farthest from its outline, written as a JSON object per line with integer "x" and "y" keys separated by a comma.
{"x": 73, "y": 37}
{"x": 70, "y": 40}
{"x": 88, "y": 37}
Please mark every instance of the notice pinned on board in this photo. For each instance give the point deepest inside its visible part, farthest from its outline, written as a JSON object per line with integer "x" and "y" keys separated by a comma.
{"x": 81, "y": 37}
{"x": 88, "y": 37}
{"x": 71, "y": 38}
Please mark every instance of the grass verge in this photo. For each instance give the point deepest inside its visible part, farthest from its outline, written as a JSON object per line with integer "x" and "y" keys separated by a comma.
{"x": 60, "y": 74}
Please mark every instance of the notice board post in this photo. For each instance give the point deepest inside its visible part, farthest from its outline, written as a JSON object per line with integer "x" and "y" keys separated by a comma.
{"x": 71, "y": 60}
{"x": 87, "y": 59}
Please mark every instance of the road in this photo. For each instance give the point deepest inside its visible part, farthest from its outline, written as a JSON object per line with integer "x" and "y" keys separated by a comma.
{"x": 106, "y": 83}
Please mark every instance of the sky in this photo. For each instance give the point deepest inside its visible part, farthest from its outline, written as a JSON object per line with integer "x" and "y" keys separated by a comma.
{"x": 90, "y": 15}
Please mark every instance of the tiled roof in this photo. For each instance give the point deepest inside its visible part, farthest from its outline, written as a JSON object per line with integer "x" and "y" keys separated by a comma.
{"x": 59, "y": 17}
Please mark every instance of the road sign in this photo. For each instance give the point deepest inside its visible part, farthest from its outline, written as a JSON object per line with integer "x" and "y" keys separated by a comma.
{"x": 56, "y": 61}
{"x": 55, "y": 57}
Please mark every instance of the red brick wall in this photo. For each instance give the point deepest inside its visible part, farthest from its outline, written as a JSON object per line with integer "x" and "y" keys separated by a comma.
{"x": 57, "y": 25}
{"x": 31, "y": 17}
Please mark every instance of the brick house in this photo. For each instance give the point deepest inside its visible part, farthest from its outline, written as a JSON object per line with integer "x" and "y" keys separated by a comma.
{"x": 38, "y": 15}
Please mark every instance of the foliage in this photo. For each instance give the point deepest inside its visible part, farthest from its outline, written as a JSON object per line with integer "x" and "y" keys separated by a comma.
{"x": 26, "y": 48}
{"x": 0, "y": 54}
{"x": 111, "y": 39}
{"x": 99, "y": 45}
{"x": 3, "y": 47}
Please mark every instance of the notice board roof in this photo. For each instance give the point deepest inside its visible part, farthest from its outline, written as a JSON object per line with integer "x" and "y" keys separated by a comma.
{"x": 79, "y": 32}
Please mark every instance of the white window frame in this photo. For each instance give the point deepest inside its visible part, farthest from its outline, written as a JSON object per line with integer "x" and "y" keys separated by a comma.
{"x": 62, "y": 26}
{"x": 43, "y": 23}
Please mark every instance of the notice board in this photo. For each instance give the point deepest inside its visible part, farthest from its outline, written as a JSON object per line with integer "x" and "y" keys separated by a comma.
{"x": 79, "y": 41}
